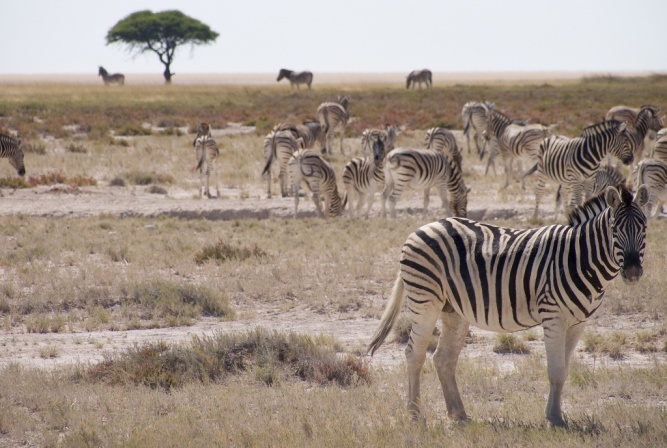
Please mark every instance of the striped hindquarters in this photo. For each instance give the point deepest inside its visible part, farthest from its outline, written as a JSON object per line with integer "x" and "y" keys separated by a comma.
{"x": 307, "y": 166}
{"x": 653, "y": 173}
{"x": 333, "y": 116}
{"x": 442, "y": 140}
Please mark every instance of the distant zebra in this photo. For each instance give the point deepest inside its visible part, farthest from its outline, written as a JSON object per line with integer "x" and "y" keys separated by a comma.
{"x": 505, "y": 280}
{"x": 573, "y": 162}
{"x": 606, "y": 176}
{"x": 310, "y": 131}
{"x": 629, "y": 115}
{"x": 10, "y": 148}
{"x": 653, "y": 173}
{"x": 474, "y": 116}
{"x": 307, "y": 166}
{"x": 116, "y": 78}
{"x": 333, "y": 117}
{"x": 442, "y": 140}
{"x": 206, "y": 152}
{"x": 418, "y": 77}
{"x": 369, "y": 136}
{"x": 296, "y": 78}
{"x": 660, "y": 149}
{"x": 364, "y": 176}
{"x": 279, "y": 147}
{"x": 422, "y": 170}
{"x": 513, "y": 141}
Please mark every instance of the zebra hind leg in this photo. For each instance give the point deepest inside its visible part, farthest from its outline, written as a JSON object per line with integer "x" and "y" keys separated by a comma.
{"x": 445, "y": 358}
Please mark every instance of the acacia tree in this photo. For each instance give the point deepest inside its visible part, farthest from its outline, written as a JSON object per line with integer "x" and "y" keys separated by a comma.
{"x": 160, "y": 32}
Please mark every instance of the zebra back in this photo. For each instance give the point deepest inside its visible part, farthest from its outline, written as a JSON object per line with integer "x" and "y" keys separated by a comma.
{"x": 308, "y": 166}
{"x": 10, "y": 148}
{"x": 206, "y": 150}
{"x": 443, "y": 140}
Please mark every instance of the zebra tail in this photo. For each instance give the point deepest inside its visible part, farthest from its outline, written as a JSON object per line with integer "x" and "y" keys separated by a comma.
{"x": 202, "y": 156}
{"x": 267, "y": 166}
{"x": 466, "y": 127}
{"x": 389, "y": 316}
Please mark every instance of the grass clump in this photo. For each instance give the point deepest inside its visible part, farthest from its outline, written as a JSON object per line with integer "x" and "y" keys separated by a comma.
{"x": 223, "y": 251}
{"x": 55, "y": 177}
{"x": 271, "y": 355}
{"x": 13, "y": 182}
{"x": 509, "y": 343}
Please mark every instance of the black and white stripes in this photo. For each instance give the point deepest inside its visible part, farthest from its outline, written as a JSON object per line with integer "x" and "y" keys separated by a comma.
{"x": 206, "y": 152}
{"x": 333, "y": 117}
{"x": 296, "y": 78}
{"x": 10, "y": 148}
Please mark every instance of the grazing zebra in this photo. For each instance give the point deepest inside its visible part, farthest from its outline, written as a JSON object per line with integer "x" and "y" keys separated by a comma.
{"x": 365, "y": 176}
{"x": 310, "y": 131}
{"x": 606, "y": 176}
{"x": 333, "y": 117}
{"x": 442, "y": 140}
{"x": 513, "y": 140}
{"x": 421, "y": 170}
{"x": 207, "y": 152}
{"x": 474, "y": 116}
{"x": 506, "y": 280}
{"x": 279, "y": 147}
{"x": 309, "y": 167}
{"x": 10, "y": 148}
{"x": 660, "y": 148}
{"x": 573, "y": 162}
{"x": 296, "y": 78}
{"x": 116, "y": 78}
{"x": 369, "y": 136}
{"x": 418, "y": 77}
{"x": 653, "y": 173}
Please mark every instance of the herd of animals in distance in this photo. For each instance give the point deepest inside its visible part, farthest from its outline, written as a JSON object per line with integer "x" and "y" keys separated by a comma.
{"x": 462, "y": 271}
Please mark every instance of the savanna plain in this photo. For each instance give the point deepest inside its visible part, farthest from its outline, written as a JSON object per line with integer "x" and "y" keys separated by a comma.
{"x": 135, "y": 313}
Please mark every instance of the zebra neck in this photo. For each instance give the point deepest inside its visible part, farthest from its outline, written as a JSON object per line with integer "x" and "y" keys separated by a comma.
{"x": 595, "y": 249}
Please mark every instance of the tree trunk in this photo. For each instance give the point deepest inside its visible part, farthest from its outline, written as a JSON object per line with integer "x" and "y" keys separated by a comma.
{"x": 167, "y": 74}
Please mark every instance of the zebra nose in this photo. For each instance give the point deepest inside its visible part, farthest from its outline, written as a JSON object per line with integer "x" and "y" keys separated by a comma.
{"x": 632, "y": 274}
{"x": 21, "y": 172}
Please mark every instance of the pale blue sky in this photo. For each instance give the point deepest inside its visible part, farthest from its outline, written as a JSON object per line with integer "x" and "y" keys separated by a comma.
{"x": 67, "y": 36}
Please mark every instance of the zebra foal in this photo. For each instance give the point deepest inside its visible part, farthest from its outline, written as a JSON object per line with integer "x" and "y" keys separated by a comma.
{"x": 296, "y": 78}
{"x": 505, "y": 280}
{"x": 423, "y": 170}
{"x": 333, "y": 117}
{"x": 474, "y": 116}
{"x": 10, "y": 148}
{"x": 364, "y": 176}
{"x": 278, "y": 148}
{"x": 418, "y": 77}
{"x": 206, "y": 152}
{"x": 653, "y": 173}
{"x": 116, "y": 78}
{"x": 308, "y": 167}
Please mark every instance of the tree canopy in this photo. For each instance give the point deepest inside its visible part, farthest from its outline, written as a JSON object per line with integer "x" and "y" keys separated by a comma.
{"x": 160, "y": 32}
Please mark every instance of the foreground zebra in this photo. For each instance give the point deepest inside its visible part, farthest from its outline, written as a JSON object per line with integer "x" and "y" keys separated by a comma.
{"x": 278, "y": 148}
{"x": 333, "y": 117}
{"x": 573, "y": 162}
{"x": 362, "y": 177}
{"x": 116, "y": 78}
{"x": 653, "y": 173}
{"x": 474, "y": 116}
{"x": 10, "y": 148}
{"x": 513, "y": 141}
{"x": 505, "y": 280}
{"x": 418, "y": 77}
{"x": 310, "y": 131}
{"x": 422, "y": 170}
{"x": 206, "y": 152}
{"x": 296, "y": 78}
{"x": 442, "y": 140}
{"x": 309, "y": 167}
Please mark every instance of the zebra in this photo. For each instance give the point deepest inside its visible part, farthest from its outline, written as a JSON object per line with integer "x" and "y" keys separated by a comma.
{"x": 513, "y": 140}
{"x": 369, "y": 136}
{"x": 333, "y": 117}
{"x": 310, "y": 131}
{"x": 506, "y": 280}
{"x": 296, "y": 78}
{"x": 653, "y": 173}
{"x": 418, "y": 77}
{"x": 206, "y": 152}
{"x": 629, "y": 115}
{"x": 279, "y": 147}
{"x": 573, "y": 162}
{"x": 421, "y": 170}
{"x": 309, "y": 167}
{"x": 116, "y": 78}
{"x": 10, "y": 148}
{"x": 474, "y": 116}
{"x": 606, "y": 176}
{"x": 442, "y": 140}
{"x": 645, "y": 122}
{"x": 660, "y": 148}
{"x": 365, "y": 176}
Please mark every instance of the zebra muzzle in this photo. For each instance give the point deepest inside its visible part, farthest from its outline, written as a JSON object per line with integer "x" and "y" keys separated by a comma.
{"x": 632, "y": 269}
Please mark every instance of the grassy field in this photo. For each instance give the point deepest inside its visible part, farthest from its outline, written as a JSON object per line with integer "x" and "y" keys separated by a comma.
{"x": 68, "y": 277}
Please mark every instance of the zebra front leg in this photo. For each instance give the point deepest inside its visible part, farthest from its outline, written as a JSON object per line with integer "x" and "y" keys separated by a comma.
{"x": 445, "y": 358}
{"x": 445, "y": 200}
{"x": 316, "y": 199}
{"x": 371, "y": 199}
{"x": 342, "y": 136}
{"x": 360, "y": 204}
{"x": 427, "y": 194}
{"x": 295, "y": 192}
{"x": 539, "y": 188}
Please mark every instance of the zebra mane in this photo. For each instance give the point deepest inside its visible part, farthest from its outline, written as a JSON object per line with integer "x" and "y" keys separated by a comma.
{"x": 598, "y": 128}
{"x": 493, "y": 113}
{"x": 6, "y": 139}
{"x": 596, "y": 205}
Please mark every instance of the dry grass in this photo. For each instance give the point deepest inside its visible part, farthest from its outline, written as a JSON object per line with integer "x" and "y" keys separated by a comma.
{"x": 109, "y": 273}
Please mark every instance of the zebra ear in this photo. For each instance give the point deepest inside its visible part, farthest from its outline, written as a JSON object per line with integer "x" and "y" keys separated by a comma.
{"x": 613, "y": 198}
{"x": 641, "y": 198}
{"x": 622, "y": 127}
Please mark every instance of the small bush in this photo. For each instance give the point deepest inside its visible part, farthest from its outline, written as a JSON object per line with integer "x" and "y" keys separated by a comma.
{"x": 509, "y": 343}
{"x": 133, "y": 131}
{"x": 117, "y": 182}
{"x": 222, "y": 251}
{"x": 78, "y": 149}
{"x": 13, "y": 182}
{"x": 155, "y": 189}
{"x": 141, "y": 178}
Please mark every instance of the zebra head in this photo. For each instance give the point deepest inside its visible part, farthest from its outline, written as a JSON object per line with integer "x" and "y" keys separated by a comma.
{"x": 284, "y": 73}
{"x": 628, "y": 229}
{"x": 16, "y": 159}
{"x": 378, "y": 148}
